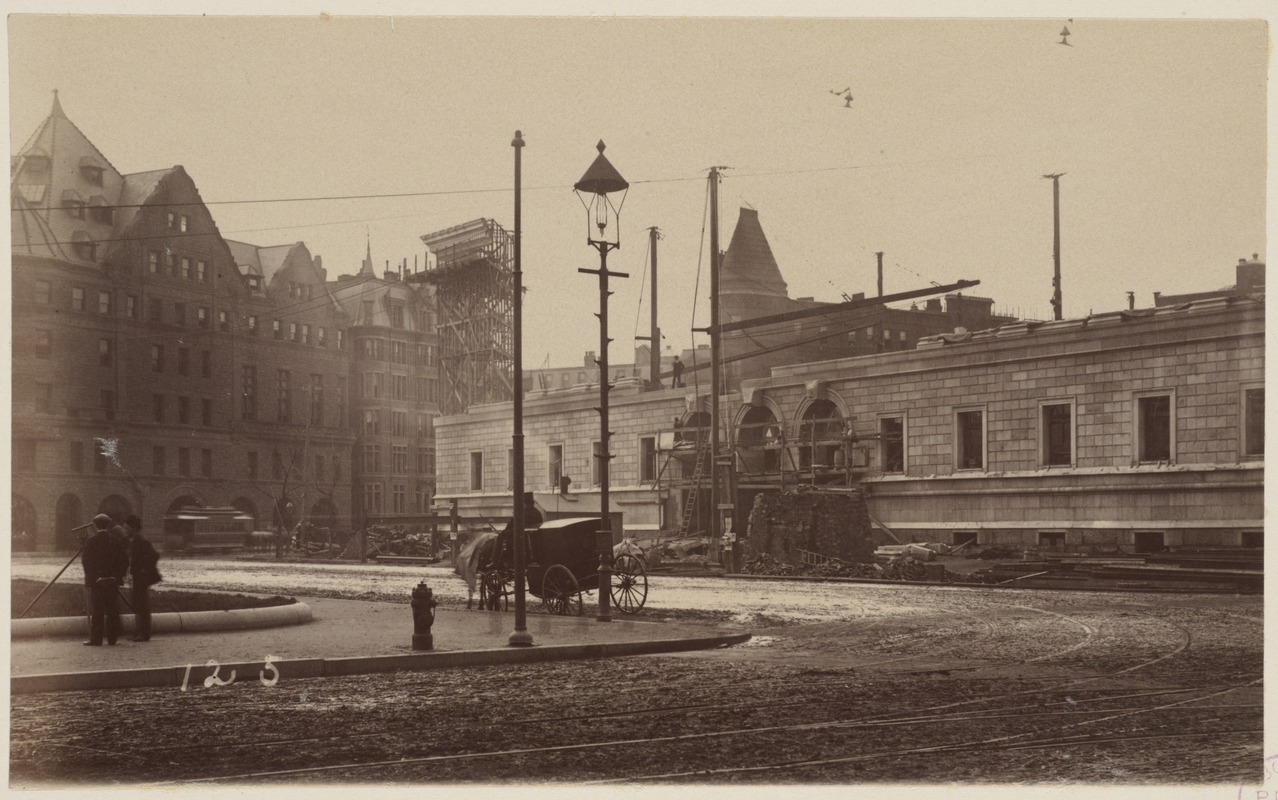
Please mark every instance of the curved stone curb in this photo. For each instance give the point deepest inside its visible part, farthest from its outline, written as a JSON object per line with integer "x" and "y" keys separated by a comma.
{"x": 173, "y": 622}
{"x": 294, "y": 669}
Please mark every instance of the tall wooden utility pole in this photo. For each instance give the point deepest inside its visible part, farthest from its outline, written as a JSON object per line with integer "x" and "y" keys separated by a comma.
{"x": 654, "y": 340}
{"x": 1056, "y": 243}
{"x": 715, "y": 364}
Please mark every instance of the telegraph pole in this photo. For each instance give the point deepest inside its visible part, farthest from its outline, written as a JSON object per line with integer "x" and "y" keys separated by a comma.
{"x": 715, "y": 363}
{"x": 1056, "y": 242}
{"x": 654, "y": 340}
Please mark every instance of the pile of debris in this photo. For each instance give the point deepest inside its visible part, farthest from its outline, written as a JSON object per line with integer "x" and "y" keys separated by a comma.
{"x": 383, "y": 541}
{"x": 893, "y": 568}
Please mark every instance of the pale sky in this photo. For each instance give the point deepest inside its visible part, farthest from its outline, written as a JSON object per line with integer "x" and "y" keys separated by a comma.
{"x": 1159, "y": 127}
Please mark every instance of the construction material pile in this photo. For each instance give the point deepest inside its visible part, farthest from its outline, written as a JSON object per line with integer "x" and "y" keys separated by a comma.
{"x": 895, "y": 568}
{"x": 383, "y": 541}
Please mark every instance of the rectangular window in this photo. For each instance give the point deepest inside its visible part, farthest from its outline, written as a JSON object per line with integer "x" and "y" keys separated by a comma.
{"x": 206, "y": 363}
{"x": 43, "y": 293}
{"x": 1051, "y": 540}
{"x": 186, "y": 268}
{"x": 106, "y": 353}
{"x": 366, "y": 312}
{"x": 399, "y": 387}
{"x": 292, "y": 331}
{"x": 1154, "y": 431}
{"x": 284, "y": 397}
{"x": 155, "y": 311}
{"x": 399, "y": 459}
{"x": 252, "y": 325}
{"x": 306, "y": 333}
{"x": 184, "y": 461}
{"x": 157, "y": 460}
{"x": 969, "y": 439}
{"x": 157, "y": 358}
{"x": 202, "y": 316}
{"x": 277, "y": 329}
{"x": 647, "y": 459}
{"x": 107, "y": 398}
{"x": 476, "y": 472}
{"x": 183, "y": 223}
{"x": 131, "y": 306}
{"x": 43, "y": 344}
{"x": 157, "y": 407}
{"x": 397, "y": 499}
{"x": 75, "y": 453}
{"x": 399, "y": 423}
{"x": 892, "y": 444}
{"x": 373, "y": 498}
{"x": 201, "y": 271}
{"x": 77, "y": 298}
{"x": 341, "y": 402}
{"x": 372, "y": 458}
{"x": 372, "y": 421}
{"x": 206, "y": 412}
{"x": 252, "y": 464}
{"x": 1253, "y": 422}
{"x": 321, "y": 337}
{"x": 223, "y": 321}
{"x": 184, "y": 410}
{"x": 248, "y": 393}
{"x": 206, "y": 463}
{"x": 104, "y": 302}
{"x": 172, "y": 220}
{"x": 173, "y": 262}
{"x": 184, "y": 360}
{"x": 179, "y": 313}
{"x": 153, "y": 262}
{"x": 317, "y": 399}
{"x": 341, "y": 339}
{"x": 555, "y": 460}
{"x": 1057, "y": 434}
{"x": 396, "y": 315}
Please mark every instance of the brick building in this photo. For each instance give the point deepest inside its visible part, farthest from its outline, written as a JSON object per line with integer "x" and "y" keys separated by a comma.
{"x": 157, "y": 364}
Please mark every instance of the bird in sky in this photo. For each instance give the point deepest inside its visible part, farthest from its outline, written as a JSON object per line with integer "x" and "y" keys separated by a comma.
{"x": 1065, "y": 36}
{"x": 846, "y": 94}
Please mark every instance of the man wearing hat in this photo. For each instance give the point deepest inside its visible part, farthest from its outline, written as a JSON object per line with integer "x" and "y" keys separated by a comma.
{"x": 142, "y": 565}
{"x": 105, "y": 563}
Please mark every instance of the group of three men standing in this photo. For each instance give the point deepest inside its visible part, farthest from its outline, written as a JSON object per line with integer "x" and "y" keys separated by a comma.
{"x": 109, "y": 554}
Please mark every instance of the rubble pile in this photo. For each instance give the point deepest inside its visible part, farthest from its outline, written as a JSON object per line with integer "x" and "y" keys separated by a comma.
{"x": 383, "y": 541}
{"x": 898, "y": 568}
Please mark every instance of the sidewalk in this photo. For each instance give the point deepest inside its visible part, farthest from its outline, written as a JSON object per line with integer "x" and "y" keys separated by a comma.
{"x": 345, "y": 637}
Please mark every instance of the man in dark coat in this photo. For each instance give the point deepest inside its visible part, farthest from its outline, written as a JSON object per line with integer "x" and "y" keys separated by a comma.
{"x": 677, "y": 376}
{"x": 106, "y": 561}
{"x": 142, "y": 565}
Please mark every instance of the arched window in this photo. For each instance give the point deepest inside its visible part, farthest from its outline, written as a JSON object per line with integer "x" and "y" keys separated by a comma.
{"x": 821, "y": 428}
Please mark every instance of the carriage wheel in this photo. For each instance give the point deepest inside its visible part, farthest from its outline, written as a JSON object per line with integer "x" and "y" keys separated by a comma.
{"x": 560, "y": 592}
{"x": 629, "y": 584}
{"x": 494, "y": 591}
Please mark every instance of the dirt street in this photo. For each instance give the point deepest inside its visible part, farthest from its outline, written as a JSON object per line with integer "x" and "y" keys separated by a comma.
{"x": 842, "y": 684}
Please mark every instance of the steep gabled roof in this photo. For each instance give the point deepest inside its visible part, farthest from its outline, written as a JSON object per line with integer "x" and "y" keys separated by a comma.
{"x": 137, "y": 189}
{"x": 749, "y": 267}
{"x": 245, "y": 255}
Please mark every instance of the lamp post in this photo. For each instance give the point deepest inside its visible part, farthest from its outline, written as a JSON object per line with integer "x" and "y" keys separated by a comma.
{"x": 594, "y": 188}
{"x": 520, "y": 637}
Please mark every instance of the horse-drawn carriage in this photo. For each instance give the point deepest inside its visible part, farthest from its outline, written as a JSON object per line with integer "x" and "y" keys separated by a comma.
{"x": 561, "y": 564}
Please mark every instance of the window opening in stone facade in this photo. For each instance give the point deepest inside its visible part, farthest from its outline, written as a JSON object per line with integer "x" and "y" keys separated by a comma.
{"x": 647, "y": 459}
{"x": 248, "y": 407}
{"x": 1253, "y": 422}
{"x": 555, "y": 459}
{"x": 476, "y": 472}
{"x": 1058, "y": 434}
{"x": 892, "y": 444}
{"x": 77, "y": 298}
{"x": 1149, "y": 541}
{"x": 970, "y": 439}
{"x": 1155, "y": 431}
{"x": 284, "y": 382}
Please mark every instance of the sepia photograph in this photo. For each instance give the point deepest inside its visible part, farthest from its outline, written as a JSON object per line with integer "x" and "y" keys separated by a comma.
{"x": 859, "y": 399}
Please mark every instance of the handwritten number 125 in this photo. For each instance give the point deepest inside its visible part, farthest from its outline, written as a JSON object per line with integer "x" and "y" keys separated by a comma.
{"x": 213, "y": 679}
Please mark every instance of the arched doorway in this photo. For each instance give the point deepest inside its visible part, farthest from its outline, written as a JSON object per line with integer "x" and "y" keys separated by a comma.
{"x": 115, "y": 507}
{"x": 185, "y": 501}
{"x": 821, "y": 435}
{"x": 324, "y": 514}
{"x": 24, "y": 531}
{"x": 695, "y": 427}
{"x": 247, "y": 506}
{"x": 68, "y": 515}
{"x": 759, "y": 440}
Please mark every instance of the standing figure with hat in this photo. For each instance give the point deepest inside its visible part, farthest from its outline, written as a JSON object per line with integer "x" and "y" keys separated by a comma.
{"x": 505, "y": 541}
{"x": 105, "y": 560}
{"x": 142, "y": 566}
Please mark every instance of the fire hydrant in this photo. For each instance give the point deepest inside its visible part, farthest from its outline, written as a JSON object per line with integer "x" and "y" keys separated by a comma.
{"x": 423, "y": 604}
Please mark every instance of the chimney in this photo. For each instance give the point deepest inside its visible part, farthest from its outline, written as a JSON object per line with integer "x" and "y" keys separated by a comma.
{"x": 1250, "y": 275}
{"x": 590, "y": 358}
{"x": 934, "y": 304}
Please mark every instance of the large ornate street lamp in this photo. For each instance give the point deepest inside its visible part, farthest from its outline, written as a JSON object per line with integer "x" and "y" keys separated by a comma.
{"x": 521, "y": 637}
{"x": 594, "y": 189}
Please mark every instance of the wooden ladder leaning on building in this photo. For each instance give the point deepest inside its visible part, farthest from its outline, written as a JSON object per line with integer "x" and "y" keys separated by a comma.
{"x": 691, "y": 503}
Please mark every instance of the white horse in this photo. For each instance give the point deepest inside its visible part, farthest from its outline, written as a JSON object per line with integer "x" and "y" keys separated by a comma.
{"x": 477, "y": 551}
{"x": 629, "y": 546}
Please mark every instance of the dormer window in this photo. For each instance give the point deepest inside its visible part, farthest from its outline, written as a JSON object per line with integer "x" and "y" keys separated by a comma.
{"x": 85, "y": 247}
{"x": 102, "y": 213}
{"x": 91, "y": 170}
{"x": 74, "y": 204}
